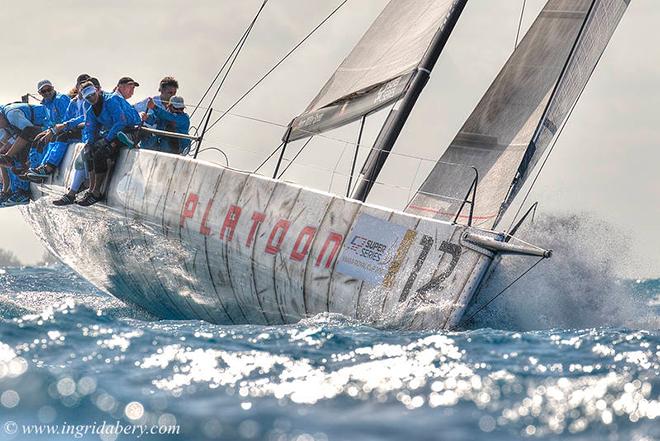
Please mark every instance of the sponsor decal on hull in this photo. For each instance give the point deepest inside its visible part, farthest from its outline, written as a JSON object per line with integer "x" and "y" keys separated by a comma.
{"x": 281, "y": 229}
{"x": 374, "y": 251}
{"x": 370, "y": 249}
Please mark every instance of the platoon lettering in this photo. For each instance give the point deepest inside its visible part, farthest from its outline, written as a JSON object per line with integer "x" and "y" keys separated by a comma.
{"x": 281, "y": 229}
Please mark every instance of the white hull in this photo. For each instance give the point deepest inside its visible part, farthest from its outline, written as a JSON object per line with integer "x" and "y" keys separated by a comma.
{"x": 188, "y": 239}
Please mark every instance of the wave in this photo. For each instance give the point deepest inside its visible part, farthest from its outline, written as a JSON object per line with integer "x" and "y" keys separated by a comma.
{"x": 576, "y": 288}
{"x": 38, "y": 290}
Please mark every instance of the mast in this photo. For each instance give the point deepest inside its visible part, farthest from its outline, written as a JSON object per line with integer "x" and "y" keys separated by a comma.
{"x": 399, "y": 114}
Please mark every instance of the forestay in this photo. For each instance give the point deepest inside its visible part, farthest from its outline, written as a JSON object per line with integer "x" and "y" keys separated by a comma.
{"x": 379, "y": 69}
{"x": 521, "y": 112}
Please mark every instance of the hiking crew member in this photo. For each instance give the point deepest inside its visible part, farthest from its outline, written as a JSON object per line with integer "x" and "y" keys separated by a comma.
{"x": 6, "y": 140}
{"x": 71, "y": 132}
{"x": 24, "y": 121}
{"x": 172, "y": 119}
{"x": 57, "y": 104}
{"x": 105, "y": 118}
{"x": 167, "y": 88}
{"x": 126, "y": 87}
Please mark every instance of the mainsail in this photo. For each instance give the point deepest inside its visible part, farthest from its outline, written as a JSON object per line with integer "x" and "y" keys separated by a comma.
{"x": 379, "y": 70}
{"x": 519, "y": 115}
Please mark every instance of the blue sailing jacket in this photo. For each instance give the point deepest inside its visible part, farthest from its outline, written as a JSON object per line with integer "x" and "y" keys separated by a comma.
{"x": 132, "y": 114}
{"x": 75, "y": 113}
{"x": 112, "y": 119}
{"x": 37, "y": 114}
{"x": 57, "y": 107}
{"x": 172, "y": 122}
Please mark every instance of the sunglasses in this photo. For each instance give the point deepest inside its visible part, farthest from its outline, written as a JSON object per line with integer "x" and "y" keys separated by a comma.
{"x": 46, "y": 90}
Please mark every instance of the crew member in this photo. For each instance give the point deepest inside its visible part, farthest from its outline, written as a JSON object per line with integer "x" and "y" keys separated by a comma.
{"x": 105, "y": 118}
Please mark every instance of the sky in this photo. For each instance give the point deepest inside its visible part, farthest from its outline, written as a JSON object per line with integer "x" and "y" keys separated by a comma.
{"x": 604, "y": 166}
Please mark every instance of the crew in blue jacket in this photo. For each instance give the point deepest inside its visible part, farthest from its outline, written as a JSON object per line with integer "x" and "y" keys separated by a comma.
{"x": 5, "y": 179}
{"x": 75, "y": 113}
{"x": 23, "y": 121}
{"x": 57, "y": 104}
{"x": 174, "y": 119}
{"x": 67, "y": 130}
{"x": 105, "y": 117}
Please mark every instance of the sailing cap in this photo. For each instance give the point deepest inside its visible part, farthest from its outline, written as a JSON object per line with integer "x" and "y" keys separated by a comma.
{"x": 82, "y": 78}
{"x": 88, "y": 91}
{"x": 43, "y": 83}
{"x": 128, "y": 80}
{"x": 177, "y": 102}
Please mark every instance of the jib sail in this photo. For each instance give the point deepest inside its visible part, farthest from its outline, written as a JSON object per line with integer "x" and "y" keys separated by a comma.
{"x": 519, "y": 115}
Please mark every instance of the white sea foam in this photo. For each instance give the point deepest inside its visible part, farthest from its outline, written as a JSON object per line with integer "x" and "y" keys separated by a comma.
{"x": 577, "y": 288}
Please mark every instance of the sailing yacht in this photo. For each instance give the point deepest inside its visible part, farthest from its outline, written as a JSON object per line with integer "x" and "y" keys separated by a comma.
{"x": 189, "y": 239}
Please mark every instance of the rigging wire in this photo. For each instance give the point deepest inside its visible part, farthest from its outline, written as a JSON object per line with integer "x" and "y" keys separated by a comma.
{"x": 268, "y": 158}
{"x": 300, "y": 43}
{"x": 231, "y": 65}
{"x": 295, "y": 157}
{"x": 545, "y": 160}
{"x": 522, "y": 14}
{"x": 501, "y": 292}
{"x": 551, "y": 101}
{"x": 236, "y": 51}
{"x": 355, "y": 156}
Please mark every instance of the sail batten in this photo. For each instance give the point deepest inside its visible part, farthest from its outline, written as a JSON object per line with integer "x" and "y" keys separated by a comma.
{"x": 380, "y": 68}
{"x": 522, "y": 110}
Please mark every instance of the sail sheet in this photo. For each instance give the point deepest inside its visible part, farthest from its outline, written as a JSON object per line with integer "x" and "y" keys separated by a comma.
{"x": 378, "y": 70}
{"x": 521, "y": 111}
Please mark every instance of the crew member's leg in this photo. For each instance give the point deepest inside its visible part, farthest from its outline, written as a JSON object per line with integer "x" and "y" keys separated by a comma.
{"x": 26, "y": 134}
{"x": 6, "y": 185}
{"x": 52, "y": 159}
{"x": 79, "y": 178}
{"x": 19, "y": 189}
{"x": 102, "y": 152}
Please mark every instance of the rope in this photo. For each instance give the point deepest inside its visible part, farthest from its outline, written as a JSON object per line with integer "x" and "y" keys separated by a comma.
{"x": 501, "y": 292}
{"x": 277, "y": 65}
{"x": 522, "y": 13}
{"x": 217, "y": 150}
{"x": 236, "y": 50}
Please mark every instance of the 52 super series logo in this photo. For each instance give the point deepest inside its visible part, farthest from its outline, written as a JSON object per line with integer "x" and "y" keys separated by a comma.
{"x": 369, "y": 249}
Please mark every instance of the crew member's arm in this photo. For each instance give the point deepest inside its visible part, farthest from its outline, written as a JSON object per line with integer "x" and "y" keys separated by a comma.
{"x": 90, "y": 128}
{"x": 61, "y": 105}
{"x": 119, "y": 119}
{"x": 164, "y": 114}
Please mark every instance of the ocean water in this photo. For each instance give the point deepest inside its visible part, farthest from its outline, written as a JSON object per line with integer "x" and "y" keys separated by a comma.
{"x": 570, "y": 352}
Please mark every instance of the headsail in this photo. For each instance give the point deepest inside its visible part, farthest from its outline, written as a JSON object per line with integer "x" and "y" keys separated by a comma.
{"x": 520, "y": 113}
{"x": 379, "y": 69}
